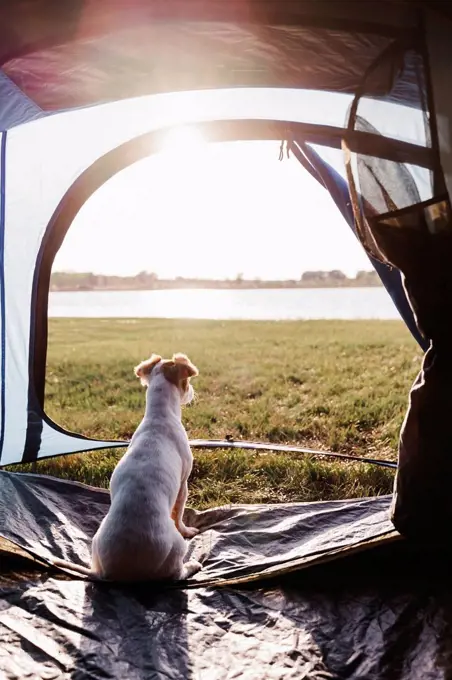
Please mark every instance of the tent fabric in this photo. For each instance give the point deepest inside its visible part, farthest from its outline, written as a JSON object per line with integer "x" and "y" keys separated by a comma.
{"x": 440, "y": 57}
{"x": 16, "y": 108}
{"x": 85, "y": 53}
{"x": 180, "y": 56}
{"x": 399, "y": 228}
{"x": 2, "y": 288}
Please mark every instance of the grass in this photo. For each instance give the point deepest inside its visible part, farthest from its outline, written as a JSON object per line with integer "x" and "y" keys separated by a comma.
{"x": 341, "y": 386}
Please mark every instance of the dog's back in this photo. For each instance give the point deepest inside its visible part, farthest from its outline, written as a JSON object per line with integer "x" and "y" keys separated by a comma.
{"x": 138, "y": 534}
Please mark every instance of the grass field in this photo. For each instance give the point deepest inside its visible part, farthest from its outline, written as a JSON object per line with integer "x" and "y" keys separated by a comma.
{"x": 340, "y": 386}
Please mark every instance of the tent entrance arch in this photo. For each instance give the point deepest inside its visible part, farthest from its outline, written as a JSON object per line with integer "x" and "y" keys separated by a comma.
{"x": 100, "y": 172}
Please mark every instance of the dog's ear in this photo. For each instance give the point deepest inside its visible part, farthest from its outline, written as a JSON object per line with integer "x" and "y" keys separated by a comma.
{"x": 143, "y": 370}
{"x": 178, "y": 369}
{"x": 185, "y": 366}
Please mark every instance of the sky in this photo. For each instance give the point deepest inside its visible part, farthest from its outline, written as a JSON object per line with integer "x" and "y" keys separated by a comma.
{"x": 212, "y": 211}
{"x": 195, "y": 209}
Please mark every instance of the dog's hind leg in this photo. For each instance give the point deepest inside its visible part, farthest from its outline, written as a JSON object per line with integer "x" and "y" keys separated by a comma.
{"x": 174, "y": 566}
{"x": 178, "y": 511}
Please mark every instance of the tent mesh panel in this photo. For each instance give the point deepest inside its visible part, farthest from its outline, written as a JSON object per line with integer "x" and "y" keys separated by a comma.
{"x": 414, "y": 234}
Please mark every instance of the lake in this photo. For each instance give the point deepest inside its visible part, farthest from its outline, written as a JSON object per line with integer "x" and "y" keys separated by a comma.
{"x": 262, "y": 305}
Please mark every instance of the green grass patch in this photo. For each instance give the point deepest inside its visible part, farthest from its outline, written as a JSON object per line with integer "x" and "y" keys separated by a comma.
{"x": 331, "y": 385}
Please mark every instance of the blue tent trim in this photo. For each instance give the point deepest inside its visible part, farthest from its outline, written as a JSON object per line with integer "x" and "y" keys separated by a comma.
{"x": 338, "y": 189}
{"x": 16, "y": 108}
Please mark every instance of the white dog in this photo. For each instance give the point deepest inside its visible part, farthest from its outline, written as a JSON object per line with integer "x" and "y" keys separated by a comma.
{"x": 138, "y": 539}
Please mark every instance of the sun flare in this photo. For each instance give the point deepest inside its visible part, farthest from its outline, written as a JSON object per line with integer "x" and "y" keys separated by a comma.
{"x": 184, "y": 141}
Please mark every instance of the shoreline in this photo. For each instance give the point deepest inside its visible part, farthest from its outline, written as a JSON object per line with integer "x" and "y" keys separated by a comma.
{"x": 206, "y": 286}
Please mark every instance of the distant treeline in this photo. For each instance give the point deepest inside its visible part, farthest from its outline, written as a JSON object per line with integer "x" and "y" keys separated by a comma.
{"x": 71, "y": 281}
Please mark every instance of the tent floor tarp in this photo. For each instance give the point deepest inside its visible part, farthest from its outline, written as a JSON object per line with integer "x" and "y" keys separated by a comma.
{"x": 384, "y": 610}
{"x": 49, "y": 517}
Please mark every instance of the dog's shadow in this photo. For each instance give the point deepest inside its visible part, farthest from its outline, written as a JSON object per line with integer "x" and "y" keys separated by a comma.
{"x": 138, "y": 631}
{"x": 134, "y": 632}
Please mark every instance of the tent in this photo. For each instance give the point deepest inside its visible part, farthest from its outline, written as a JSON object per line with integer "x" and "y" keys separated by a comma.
{"x": 359, "y": 93}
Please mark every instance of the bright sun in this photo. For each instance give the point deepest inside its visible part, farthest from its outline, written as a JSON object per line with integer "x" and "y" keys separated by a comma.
{"x": 185, "y": 141}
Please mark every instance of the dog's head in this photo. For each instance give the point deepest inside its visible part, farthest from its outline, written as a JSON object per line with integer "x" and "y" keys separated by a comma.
{"x": 176, "y": 371}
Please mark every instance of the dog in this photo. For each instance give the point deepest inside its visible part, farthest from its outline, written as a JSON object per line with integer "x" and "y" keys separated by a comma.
{"x": 142, "y": 536}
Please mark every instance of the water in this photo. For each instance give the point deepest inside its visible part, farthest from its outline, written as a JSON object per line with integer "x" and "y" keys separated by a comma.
{"x": 281, "y": 304}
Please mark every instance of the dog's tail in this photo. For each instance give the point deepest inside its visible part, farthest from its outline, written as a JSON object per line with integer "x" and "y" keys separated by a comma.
{"x": 77, "y": 568}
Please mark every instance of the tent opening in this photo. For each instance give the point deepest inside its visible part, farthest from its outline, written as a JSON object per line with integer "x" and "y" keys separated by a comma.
{"x": 109, "y": 149}
{"x": 208, "y": 218}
